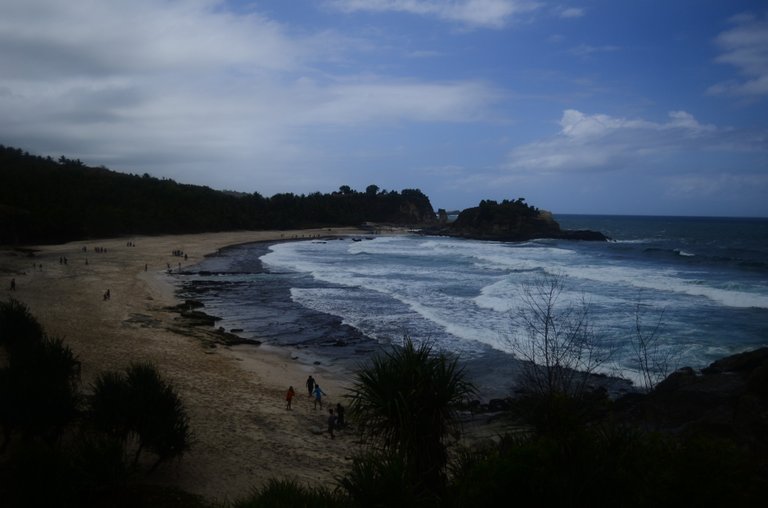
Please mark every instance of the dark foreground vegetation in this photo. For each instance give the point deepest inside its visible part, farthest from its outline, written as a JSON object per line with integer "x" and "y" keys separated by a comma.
{"x": 63, "y": 447}
{"x": 43, "y": 200}
{"x": 694, "y": 440}
{"x": 560, "y": 448}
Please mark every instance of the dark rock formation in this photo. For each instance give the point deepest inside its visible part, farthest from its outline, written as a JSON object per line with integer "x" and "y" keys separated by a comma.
{"x": 728, "y": 399}
{"x": 509, "y": 221}
{"x": 581, "y": 234}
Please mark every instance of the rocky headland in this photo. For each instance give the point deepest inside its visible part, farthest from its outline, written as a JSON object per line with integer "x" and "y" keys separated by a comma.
{"x": 508, "y": 221}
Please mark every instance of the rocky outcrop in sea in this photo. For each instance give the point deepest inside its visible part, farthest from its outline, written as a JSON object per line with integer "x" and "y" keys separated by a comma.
{"x": 509, "y": 221}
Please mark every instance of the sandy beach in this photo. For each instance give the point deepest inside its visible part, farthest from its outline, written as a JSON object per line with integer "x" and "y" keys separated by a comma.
{"x": 243, "y": 434}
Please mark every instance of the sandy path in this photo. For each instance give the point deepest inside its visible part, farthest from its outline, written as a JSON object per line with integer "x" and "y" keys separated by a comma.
{"x": 234, "y": 395}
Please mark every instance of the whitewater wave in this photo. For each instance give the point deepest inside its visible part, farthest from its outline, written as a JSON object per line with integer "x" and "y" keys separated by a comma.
{"x": 462, "y": 293}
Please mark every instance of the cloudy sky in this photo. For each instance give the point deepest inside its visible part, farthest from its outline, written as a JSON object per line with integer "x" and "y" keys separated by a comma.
{"x": 585, "y": 106}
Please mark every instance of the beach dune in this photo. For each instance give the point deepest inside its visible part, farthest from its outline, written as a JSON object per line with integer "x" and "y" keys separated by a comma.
{"x": 243, "y": 434}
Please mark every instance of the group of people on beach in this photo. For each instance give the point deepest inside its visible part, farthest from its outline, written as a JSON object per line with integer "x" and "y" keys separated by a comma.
{"x": 106, "y": 295}
{"x": 335, "y": 419}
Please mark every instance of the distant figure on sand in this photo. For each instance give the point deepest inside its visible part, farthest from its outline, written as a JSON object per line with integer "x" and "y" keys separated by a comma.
{"x": 13, "y": 284}
{"x": 339, "y": 416}
{"x": 310, "y": 385}
{"x": 331, "y": 422}
{"x": 318, "y": 396}
{"x": 106, "y": 295}
{"x": 289, "y": 397}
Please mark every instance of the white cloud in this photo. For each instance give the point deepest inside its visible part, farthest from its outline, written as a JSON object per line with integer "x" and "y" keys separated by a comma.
{"x": 713, "y": 184}
{"x": 600, "y": 142}
{"x": 473, "y": 13}
{"x": 93, "y": 39}
{"x": 570, "y": 12}
{"x": 351, "y": 103}
{"x": 586, "y": 50}
{"x": 745, "y": 46}
{"x": 176, "y": 88}
{"x": 425, "y": 53}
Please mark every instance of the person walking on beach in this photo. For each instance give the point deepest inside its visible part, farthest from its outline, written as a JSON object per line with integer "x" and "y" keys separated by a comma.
{"x": 331, "y": 423}
{"x": 339, "y": 416}
{"x": 310, "y": 385}
{"x": 289, "y": 397}
{"x": 13, "y": 284}
{"x": 318, "y": 396}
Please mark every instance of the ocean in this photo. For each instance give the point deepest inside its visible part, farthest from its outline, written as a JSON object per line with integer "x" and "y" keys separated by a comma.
{"x": 702, "y": 281}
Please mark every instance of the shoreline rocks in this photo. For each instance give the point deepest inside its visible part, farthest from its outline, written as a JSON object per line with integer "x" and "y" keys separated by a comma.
{"x": 729, "y": 398}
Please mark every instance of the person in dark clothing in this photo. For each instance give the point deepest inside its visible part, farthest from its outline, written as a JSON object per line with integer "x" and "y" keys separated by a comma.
{"x": 310, "y": 385}
{"x": 331, "y": 423}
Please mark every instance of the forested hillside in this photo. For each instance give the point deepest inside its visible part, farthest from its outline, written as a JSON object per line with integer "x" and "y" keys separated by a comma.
{"x": 45, "y": 200}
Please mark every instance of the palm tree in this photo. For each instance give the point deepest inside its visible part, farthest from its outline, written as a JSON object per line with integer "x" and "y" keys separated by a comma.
{"x": 406, "y": 402}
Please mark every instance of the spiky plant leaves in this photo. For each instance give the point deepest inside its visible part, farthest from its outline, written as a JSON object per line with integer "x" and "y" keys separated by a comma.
{"x": 109, "y": 411}
{"x": 406, "y": 402}
{"x": 157, "y": 412}
{"x": 380, "y": 479}
{"x": 281, "y": 493}
{"x": 140, "y": 403}
{"x": 38, "y": 390}
{"x": 19, "y": 330}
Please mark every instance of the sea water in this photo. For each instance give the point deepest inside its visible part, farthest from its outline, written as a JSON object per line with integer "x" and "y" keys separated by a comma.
{"x": 699, "y": 285}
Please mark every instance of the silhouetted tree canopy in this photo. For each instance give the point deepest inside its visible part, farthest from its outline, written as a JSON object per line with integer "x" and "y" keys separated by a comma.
{"x": 46, "y": 200}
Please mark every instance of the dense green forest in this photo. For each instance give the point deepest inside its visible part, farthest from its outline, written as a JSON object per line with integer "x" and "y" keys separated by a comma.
{"x": 45, "y": 200}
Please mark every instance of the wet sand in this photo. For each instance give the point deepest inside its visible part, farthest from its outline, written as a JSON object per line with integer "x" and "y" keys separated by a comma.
{"x": 243, "y": 434}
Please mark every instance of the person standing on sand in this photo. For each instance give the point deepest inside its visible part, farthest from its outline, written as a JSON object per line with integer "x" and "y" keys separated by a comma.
{"x": 310, "y": 385}
{"x": 331, "y": 423}
{"x": 289, "y": 396}
{"x": 13, "y": 284}
{"x": 339, "y": 416}
{"x": 319, "y": 396}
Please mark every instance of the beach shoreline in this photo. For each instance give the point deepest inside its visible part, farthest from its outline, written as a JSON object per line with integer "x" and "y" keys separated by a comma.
{"x": 243, "y": 434}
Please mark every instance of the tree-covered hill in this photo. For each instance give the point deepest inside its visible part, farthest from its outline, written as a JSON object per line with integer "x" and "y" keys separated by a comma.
{"x": 45, "y": 200}
{"x": 509, "y": 221}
